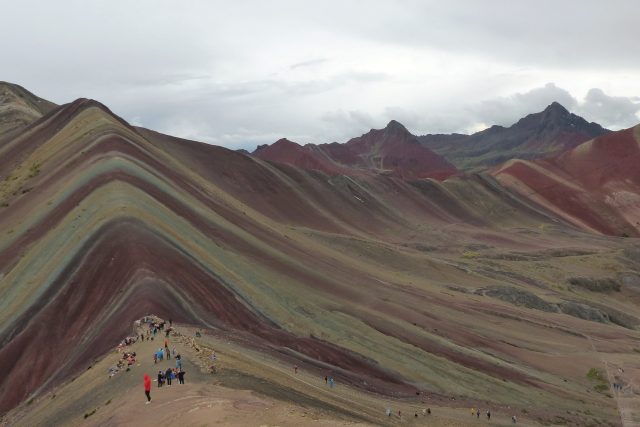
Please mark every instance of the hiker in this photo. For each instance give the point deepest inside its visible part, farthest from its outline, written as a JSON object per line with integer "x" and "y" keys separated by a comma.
{"x": 429, "y": 411}
{"x": 478, "y": 413}
{"x": 168, "y": 353}
{"x": 388, "y": 412}
{"x": 159, "y": 378}
{"x": 399, "y": 414}
{"x": 473, "y": 411}
{"x": 155, "y": 358}
{"x": 167, "y": 375}
{"x": 331, "y": 382}
{"x": 147, "y": 388}
{"x": 514, "y": 419}
{"x": 325, "y": 379}
{"x": 178, "y": 362}
{"x": 181, "y": 376}
{"x": 488, "y": 414}
{"x": 141, "y": 337}
{"x": 295, "y": 369}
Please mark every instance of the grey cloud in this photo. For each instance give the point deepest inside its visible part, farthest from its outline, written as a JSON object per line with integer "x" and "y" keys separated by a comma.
{"x": 611, "y": 111}
{"x": 213, "y": 71}
{"x": 347, "y": 124}
{"x": 506, "y": 110}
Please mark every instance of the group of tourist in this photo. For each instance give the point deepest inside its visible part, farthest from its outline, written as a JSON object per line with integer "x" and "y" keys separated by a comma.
{"x": 476, "y": 412}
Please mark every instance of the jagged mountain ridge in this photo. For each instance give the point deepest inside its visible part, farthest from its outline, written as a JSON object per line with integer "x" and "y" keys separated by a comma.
{"x": 392, "y": 150}
{"x": 547, "y": 133}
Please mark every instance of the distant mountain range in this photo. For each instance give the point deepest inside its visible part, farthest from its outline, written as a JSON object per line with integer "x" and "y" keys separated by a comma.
{"x": 542, "y": 134}
{"x": 394, "y": 150}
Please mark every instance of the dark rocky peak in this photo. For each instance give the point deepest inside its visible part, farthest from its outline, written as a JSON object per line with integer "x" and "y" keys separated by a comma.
{"x": 396, "y": 128}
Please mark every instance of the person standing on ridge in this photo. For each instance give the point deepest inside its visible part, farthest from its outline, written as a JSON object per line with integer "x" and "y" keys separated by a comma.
{"x": 167, "y": 375}
{"x": 147, "y": 388}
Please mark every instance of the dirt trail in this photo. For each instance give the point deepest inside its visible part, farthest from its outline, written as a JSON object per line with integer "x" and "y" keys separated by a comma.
{"x": 249, "y": 389}
{"x": 627, "y": 399}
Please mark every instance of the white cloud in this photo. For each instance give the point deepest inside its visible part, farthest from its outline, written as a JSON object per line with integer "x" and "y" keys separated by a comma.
{"x": 611, "y": 111}
{"x": 247, "y": 72}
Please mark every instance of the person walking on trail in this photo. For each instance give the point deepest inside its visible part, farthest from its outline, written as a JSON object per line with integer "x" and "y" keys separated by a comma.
{"x": 181, "y": 376}
{"x": 168, "y": 373}
{"x": 159, "y": 378}
{"x": 488, "y": 414}
{"x": 473, "y": 411}
{"x": 325, "y": 379}
{"x": 147, "y": 388}
{"x": 178, "y": 362}
{"x": 295, "y": 369}
{"x": 514, "y": 419}
{"x": 478, "y": 413}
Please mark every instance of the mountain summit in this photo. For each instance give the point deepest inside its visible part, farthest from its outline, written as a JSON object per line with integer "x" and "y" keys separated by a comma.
{"x": 19, "y": 107}
{"x": 392, "y": 150}
{"x": 546, "y": 133}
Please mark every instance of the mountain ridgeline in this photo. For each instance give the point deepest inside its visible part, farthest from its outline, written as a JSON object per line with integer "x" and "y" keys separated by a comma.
{"x": 380, "y": 262}
{"x": 537, "y": 135}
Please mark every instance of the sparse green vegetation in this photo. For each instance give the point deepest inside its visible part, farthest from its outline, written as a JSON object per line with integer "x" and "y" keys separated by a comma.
{"x": 600, "y": 387}
{"x": 470, "y": 255}
{"x": 595, "y": 285}
{"x": 595, "y": 374}
{"x": 34, "y": 170}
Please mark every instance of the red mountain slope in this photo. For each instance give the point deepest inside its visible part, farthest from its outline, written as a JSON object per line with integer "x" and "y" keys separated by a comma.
{"x": 596, "y": 185}
{"x": 391, "y": 151}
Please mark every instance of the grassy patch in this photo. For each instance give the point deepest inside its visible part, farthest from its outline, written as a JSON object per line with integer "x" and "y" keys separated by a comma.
{"x": 595, "y": 375}
{"x": 470, "y": 255}
{"x": 34, "y": 170}
{"x": 595, "y": 285}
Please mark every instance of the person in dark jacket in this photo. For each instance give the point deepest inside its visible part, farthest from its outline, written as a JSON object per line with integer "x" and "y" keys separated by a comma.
{"x": 167, "y": 375}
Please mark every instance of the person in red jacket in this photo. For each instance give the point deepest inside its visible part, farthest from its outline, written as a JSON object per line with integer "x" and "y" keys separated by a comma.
{"x": 147, "y": 388}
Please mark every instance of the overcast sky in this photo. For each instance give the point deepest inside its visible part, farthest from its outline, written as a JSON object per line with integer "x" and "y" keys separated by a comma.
{"x": 240, "y": 73}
